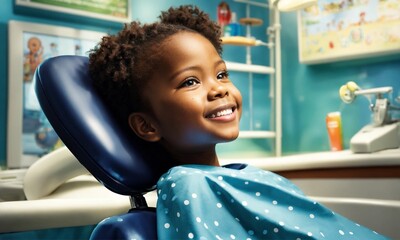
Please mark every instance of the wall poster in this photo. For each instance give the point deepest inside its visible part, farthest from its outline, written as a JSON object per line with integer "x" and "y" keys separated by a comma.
{"x": 111, "y": 10}
{"x": 337, "y": 30}
{"x": 30, "y": 135}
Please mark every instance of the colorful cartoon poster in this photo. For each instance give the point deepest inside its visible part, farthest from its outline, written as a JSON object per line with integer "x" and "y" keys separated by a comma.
{"x": 336, "y": 30}
{"x": 114, "y": 10}
{"x": 38, "y": 137}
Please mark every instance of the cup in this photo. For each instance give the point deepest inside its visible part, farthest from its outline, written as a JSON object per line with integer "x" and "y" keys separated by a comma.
{"x": 334, "y": 127}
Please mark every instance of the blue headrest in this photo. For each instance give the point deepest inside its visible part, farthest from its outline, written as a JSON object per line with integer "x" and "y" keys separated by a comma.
{"x": 106, "y": 146}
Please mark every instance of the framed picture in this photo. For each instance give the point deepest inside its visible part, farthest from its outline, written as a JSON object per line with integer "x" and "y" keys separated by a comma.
{"x": 29, "y": 134}
{"x": 109, "y": 10}
{"x": 342, "y": 30}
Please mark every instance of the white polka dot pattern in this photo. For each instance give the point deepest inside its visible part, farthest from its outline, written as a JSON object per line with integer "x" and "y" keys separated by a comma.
{"x": 206, "y": 202}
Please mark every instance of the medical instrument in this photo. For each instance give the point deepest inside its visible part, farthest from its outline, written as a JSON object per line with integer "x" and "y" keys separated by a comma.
{"x": 384, "y": 131}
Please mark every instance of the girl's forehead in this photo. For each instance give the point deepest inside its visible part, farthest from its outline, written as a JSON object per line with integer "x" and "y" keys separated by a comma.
{"x": 183, "y": 50}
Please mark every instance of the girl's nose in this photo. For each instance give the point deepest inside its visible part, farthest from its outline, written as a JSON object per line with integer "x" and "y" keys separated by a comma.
{"x": 217, "y": 90}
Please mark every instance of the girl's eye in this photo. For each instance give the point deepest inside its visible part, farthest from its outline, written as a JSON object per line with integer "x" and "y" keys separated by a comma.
{"x": 223, "y": 75}
{"x": 189, "y": 82}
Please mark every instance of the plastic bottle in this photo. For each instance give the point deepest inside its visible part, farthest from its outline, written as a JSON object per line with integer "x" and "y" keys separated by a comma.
{"x": 233, "y": 28}
{"x": 334, "y": 127}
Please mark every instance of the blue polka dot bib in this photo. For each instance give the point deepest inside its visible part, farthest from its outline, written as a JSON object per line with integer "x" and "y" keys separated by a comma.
{"x": 207, "y": 202}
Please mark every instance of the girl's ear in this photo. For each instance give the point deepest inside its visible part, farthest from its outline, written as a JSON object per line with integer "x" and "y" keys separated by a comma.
{"x": 143, "y": 127}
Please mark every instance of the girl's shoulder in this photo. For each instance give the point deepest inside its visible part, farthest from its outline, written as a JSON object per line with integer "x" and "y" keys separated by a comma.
{"x": 238, "y": 176}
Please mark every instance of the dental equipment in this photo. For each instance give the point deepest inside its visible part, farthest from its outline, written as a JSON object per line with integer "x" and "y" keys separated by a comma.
{"x": 384, "y": 131}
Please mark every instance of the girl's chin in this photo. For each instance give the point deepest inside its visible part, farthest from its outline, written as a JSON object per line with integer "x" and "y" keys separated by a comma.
{"x": 231, "y": 136}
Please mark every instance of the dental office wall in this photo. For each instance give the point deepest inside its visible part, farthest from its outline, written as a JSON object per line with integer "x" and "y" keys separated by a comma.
{"x": 144, "y": 11}
{"x": 309, "y": 91}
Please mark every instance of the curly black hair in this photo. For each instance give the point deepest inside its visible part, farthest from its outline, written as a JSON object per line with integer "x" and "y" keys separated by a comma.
{"x": 120, "y": 64}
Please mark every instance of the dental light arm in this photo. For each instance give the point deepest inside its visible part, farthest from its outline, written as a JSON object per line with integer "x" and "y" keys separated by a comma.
{"x": 383, "y": 132}
{"x": 380, "y": 109}
{"x": 376, "y": 91}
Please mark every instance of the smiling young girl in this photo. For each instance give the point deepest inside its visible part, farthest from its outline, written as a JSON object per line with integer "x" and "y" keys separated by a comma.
{"x": 168, "y": 80}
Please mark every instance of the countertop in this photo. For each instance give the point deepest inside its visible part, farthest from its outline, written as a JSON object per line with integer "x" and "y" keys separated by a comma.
{"x": 318, "y": 160}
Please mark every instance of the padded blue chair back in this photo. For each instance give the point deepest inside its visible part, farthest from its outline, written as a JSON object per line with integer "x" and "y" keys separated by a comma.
{"x": 103, "y": 144}
{"x": 106, "y": 146}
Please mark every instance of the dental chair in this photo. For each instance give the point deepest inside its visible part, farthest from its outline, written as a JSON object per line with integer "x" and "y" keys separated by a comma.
{"x": 102, "y": 143}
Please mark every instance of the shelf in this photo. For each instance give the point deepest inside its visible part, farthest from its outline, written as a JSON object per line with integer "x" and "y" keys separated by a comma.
{"x": 273, "y": 44}
{"x": 251, "y": 21}
{"x": 243, "y": 41}
{"x": 241, "y": 67}
{"x": 257, "y": 134}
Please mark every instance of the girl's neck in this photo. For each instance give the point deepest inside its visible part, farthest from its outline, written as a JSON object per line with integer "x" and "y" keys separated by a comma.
{"x": 203, "y": 156}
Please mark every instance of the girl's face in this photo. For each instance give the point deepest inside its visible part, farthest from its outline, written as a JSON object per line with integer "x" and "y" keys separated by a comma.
{"x": 193, "y": 103}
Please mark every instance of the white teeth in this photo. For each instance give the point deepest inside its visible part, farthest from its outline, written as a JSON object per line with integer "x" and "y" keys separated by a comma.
{"x": 222, "y": 113}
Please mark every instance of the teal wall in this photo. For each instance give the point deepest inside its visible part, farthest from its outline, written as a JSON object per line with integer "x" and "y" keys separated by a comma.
{"x": 309, "y": 92}
{"x": 144, "y": 11}
{"x": 7, "y": 13}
